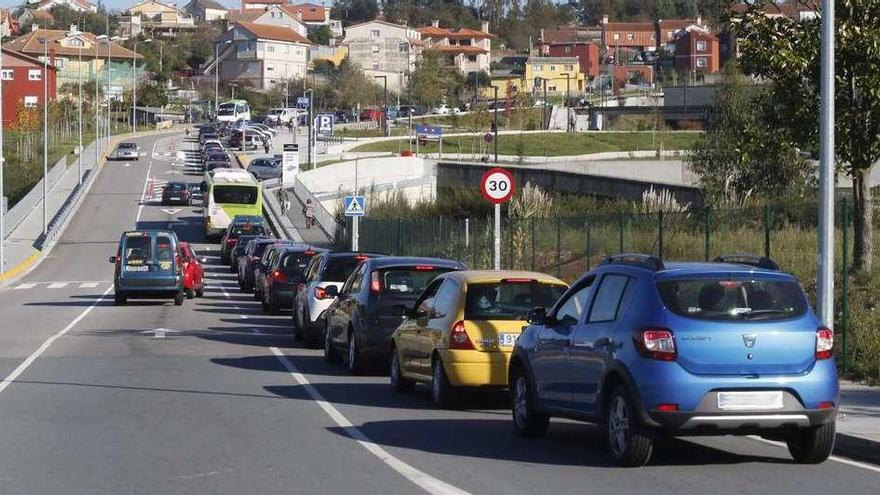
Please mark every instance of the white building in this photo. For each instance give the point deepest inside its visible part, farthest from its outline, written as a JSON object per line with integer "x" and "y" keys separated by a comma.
{"x": 315, "y": 16}
{"x": 206, "y": 11}
{"x": 384, "y": 49}
{"x": 282, "y": 16}
{"x": 77, "y": 5}
{"x": 466, "y": 50}
{"x": 260, "y": 56}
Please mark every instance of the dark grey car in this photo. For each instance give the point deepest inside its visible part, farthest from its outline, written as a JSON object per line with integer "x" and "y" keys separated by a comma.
{"x": 146, "y": 266}
{"x": 265, "y": 168}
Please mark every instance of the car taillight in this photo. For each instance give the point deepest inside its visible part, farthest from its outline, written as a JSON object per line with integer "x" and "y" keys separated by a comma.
{"x": 375, "y": 286}
{"x": 280, "y": 276}
{"x": 824, "y": 343}
{"x": 657, "y": 343}
{"x": 230, "y": 242}
{"x": 826, "y": 405}
{"x": 460, "y": 338}
{"x": 360, "y": 257}
{"x": 666, "y": 407}
{"x": 425, "y": 268}
{"x": 320, "y": 293}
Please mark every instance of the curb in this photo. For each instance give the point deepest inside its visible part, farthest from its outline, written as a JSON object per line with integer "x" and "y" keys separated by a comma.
{"x": 19, "y": 269}
{"x": 858, "y": 448}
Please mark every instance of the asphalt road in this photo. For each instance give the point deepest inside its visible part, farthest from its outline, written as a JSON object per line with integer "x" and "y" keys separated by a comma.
{"x": 228, "y": 403}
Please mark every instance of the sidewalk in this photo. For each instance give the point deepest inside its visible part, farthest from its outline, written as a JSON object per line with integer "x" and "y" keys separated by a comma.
{"x": 858, "y": 422}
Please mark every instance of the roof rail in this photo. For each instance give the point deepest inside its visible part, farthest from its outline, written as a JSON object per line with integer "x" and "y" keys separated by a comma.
{"x": 748, "y": 259}
{"x": 643, "y": 260}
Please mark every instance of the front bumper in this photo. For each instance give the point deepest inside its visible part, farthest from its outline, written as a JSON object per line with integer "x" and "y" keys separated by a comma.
{"x": 467, "y": 368}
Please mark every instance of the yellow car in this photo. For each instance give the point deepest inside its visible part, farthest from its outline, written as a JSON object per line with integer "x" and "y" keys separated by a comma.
{"x": 461, "y": 330}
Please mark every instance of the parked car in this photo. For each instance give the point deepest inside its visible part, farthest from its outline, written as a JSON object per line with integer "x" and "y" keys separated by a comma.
{"x": 240, "y": 225}
{"x": 372, "y": 114}
{"x": 248, "y": 262}
{"x": 646, "y": 348}
{"x": 282, "y": 116}
{"x": 442, "y": 109}
{"x": 193, "y": 271}
{"x": 176, "y": 193}
{"x": 285, "y": 273}
{"x": 311, "y": 301}
{"x": 265, "y": 168}
{"x": 343, "y": 116}
{"x": 363, "y": 315}
{"x": 145, "y": 266}
{"x": 410, "y": 110}
{"x": 205, "y": 136}
{"x": 460, "y": 332}
{"x": 252, "y": 141}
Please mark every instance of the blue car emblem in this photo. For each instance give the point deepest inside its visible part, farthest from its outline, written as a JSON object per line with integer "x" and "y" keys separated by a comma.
{"x": 749, "y": 339}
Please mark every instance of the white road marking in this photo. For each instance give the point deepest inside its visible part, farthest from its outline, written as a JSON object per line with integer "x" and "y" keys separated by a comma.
{"x": 842, "y": 460}
{"x": 146, "y": 185}
{"x": 58, "y": 285}
{"x": 48, "y": 343}
{"x": 159, "y": 333}
{"x": 421, "y": 479}
{"x": 26, "y": 286}
{"x": 88, "y": 285}
{"x": 172, "y": 211}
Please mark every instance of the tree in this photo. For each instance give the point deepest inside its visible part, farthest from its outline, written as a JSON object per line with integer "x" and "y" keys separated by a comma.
{"x": 355, "y": 11}
{"x": 321, "y": 35}
{"x": 431, "y": 81}
{"x": 787, "y": 52}
{"x": 734, "y": 158}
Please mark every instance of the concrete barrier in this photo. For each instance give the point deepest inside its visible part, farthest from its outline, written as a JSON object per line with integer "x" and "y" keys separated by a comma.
{"x": 17, "y": 214}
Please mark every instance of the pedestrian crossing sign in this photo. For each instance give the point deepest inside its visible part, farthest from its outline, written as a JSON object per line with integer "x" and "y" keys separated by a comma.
{"x": 355, "y": 206}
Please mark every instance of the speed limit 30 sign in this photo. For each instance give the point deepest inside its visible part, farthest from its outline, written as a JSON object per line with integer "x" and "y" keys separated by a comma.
{"x": 497, "y": 185}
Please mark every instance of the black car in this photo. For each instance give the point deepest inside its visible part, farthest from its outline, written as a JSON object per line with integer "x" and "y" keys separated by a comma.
{"x": 410, "y": 111}
{"x": 216, "y": 155}
{"x": 284, "y": 274}
{"x": 239, "y": 248}
{"x": 265, "y": 168}
{"x": 177, "y": 193}
{"x": 249, "y": 260}
{"x": 240, "y": 225}
{"x": 311, "y": 301}
{"x": 208, "y": 135}
{"x": 343, "y": 116}
{"x": 261, "y": 269}
{"x": 366, "y": 310}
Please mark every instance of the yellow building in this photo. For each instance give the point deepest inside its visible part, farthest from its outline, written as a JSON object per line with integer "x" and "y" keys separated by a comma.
{"x": 560, "y": 73}
{"x": 508, "y": 82}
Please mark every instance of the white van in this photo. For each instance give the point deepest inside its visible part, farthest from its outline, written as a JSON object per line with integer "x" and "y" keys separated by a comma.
{"x": 282, "y": 115}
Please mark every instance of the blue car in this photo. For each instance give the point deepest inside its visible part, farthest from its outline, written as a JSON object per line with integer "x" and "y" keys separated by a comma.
{"x": 685, "y": 348}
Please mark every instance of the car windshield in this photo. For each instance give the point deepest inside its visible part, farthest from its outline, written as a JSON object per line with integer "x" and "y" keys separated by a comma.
{"x": 509, "y": 299}
{"x": 241, "y": 195}
{"x": 733, "y": 298}
{"x": 226, "y": 110}
{"x": 247, "y": 229}
{"x": 127, "y": 146}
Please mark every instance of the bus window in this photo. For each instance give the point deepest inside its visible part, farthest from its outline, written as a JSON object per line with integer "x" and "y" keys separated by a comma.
{"x": 242, "y": 195}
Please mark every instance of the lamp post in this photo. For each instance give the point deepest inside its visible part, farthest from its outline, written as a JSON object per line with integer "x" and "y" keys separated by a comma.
{"x": 99, "y": 39}
{"x": 567, "y": 106}
{"x": 109, "y": 118}
{"x": 80, "y": 112}
{"x": 217, "y": 75}
{"x": 45, "y": 43}
{"x": 134, "y": 85}
{"x": 2, "y": 190}
{"x": 385, "y": 128}
{"x": 826, "y": 169}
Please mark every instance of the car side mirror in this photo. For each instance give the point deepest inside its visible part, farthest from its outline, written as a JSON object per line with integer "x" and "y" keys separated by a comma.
{"x": 537, "y": 316}
{"x": 331, "y": 291}
{"x": 112, "y": 259}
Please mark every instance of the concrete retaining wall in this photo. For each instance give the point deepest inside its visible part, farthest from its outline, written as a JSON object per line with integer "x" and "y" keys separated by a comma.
{"x": 16, "y": 214}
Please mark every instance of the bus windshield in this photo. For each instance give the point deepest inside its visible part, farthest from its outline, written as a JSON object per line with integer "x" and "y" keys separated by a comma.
{"x": 241, "y": 195}
{"x": 226, "y": 109}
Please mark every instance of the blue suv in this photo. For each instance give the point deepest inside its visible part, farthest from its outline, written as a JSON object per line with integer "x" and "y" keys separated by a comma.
{"x": 684, "y": 348}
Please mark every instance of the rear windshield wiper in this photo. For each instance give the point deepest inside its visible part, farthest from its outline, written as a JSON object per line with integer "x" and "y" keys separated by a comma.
{"x": 757, "y": 313}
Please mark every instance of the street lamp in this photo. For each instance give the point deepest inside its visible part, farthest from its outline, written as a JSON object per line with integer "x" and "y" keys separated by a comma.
{"x": 567, "y": 103}
{"x": 2, "y": 159}
{"x": 233, "y": 85}
{"x": 134, "y": 83}
{"x": 45, "y": 43}
{"x": 109, "y": 118}
{"x": 100, "y": 38}
{"x": 386, "y": 129}
{"x": 217, "y": 75}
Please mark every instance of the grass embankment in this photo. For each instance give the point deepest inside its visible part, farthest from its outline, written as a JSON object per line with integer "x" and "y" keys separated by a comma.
{"x": 548, "y": 144}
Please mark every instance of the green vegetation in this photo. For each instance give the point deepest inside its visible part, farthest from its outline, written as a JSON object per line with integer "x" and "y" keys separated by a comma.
{"x": 550, "y": 144}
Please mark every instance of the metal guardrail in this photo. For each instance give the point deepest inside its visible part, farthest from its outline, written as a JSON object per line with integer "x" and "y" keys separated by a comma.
{"x": 17, "y": 214}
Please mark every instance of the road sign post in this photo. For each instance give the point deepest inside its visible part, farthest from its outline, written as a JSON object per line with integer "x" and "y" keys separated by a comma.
{"x": 289, "y": 165}
{"x": 355, "y": 207}
{"x": 497, "y": 186}
{"x": 433, "y": 132}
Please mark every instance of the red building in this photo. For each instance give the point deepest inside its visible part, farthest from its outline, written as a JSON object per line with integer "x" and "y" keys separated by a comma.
{"x": 571, "y": 42}
{"x": 22, "y": 79}
{"x": 697, "y": 51}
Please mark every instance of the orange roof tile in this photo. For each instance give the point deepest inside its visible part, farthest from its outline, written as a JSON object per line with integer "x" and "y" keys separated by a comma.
{"x": 277, "y": 33}
{"x": 460, "y": 33}
{"x": 29, "y": 44}
{"x": 458, "y": 49}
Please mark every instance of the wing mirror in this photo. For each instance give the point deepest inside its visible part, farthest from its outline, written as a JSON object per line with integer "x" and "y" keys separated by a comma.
{"x": 331, "y": 291}
{"x": 537, "y": 316}
{"x": 112, "y": 259}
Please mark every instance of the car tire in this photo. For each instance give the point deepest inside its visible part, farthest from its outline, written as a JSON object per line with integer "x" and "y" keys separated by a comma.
{"x": 297, "y": 329}
{"x": 629, "y": 443}
{"x": 812, "y": 445}
{"x": 264, "y": 303}
{"x": 527, "y": 421}
{"x": 395, "y": 373}
{"x": 355, "y": 367}
{"x": 120, "y": 299}
{"x": 330, "y": 354}
{"x": 178, "y": 298}
{"x": 443, "y": 393}
{"x": 190, "y": 294}
{"x": 274, "y": 308}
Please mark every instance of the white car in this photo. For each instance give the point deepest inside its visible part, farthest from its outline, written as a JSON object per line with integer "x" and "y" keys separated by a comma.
{"x": 442, "y": 109}
{"x": 282, "y": 115}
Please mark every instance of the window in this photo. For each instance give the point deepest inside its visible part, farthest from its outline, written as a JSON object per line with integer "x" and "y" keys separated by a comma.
{"x": 240, "y": 195}
{"x": 35, "y": 75}
{"x": 407, "y": 280}
{"x": 374, "y": 49}
{"x": 374, "y": 33}
{"x": 569, "y": 67}
{"x": 552, "y": 68}
{"x": 701, "y": 62}
{"x": 465, "y": 42}
{"x": 701, "y": 46}
{"x": 353, "y": 284}
{"x": 375, "y": 65}
{"x": 270, "y": 48}
{"x": 446, "y": 300}
{"x": 616, "y": 36}
{"x": 570, "y": 312}
{"x": 6, "y": 74}
{"x": 733, "y": 298}
{"x": 60, "y": 62}
{"x": 607, "y": 302}
{"x": 567, "y": 49}
{"x": 539, "y": 67}
{"x": 630, "y": 36}
{"x": 270, "y": 68}
{"x": 508, "y": 300}
{"x": 403, "y": 47}
{"x": 30, "y": 101}
{"x": 472, "y": 58}
{"x": 551, "y": 88}
{"x": 76, "y": 42}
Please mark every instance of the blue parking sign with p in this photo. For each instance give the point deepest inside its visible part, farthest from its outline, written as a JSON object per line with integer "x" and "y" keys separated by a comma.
{"x": 324, "y": 123}
{"x": 354, "y": 206}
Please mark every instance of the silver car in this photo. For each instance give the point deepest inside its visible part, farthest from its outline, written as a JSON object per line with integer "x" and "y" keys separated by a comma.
{"x": 127, "y": 151}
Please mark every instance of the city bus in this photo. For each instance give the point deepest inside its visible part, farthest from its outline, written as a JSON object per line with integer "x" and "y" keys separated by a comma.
{"x": 229, "y": 192}
{"x": 233, "y": 110}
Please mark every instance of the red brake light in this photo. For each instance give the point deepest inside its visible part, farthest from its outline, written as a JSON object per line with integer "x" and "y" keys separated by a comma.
{"x": 667, "y": 407}
{"x": 657, "y": 343}
{"x": 320, "y": 293}
{"x": 230, "y": 242}
{"x": 460, "y": 338}
{"x": 375, "y": 285}
{"x": 824, "y": 343}
{"x": 517, "y": 281}
{"x": 279, "y": 276}
{"x": 826, "y": 405}
{"x": 360, "y": 257}
{"x": 425, "y": 268}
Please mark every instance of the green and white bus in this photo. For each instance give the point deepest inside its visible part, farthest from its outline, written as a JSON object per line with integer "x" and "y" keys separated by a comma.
{"x": 229, "y": 192}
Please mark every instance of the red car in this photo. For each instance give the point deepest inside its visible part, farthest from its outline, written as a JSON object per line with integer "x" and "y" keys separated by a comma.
{"x": 193, "y": 272}
{"x": 374, "y": 114}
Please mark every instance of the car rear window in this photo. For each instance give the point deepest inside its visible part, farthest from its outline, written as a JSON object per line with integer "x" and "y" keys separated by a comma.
{"x": 509, "y": 299}
{"x": 338, "y": 269}
{"x": 733, "y": 299}
{"x": 164, "y": 250}
{"x": 247, "y": 230}
{"x": 408, "y": 281}
{"x": 127, "y": 145}
{"x": 138, "y": 250}
{"x": 176, "y": 186}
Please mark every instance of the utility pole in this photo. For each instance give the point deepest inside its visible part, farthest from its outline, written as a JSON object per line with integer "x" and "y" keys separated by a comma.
{"x": 826, "y": 169}
{"x": 134, "y": 83}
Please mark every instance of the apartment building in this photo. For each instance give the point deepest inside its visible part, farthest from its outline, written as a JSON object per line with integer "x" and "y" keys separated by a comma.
{"x": 382, "y": 48}
{"x": 260, "y": 56}
{"x": 206, "y": 11}
{"x": 465, "y": 50}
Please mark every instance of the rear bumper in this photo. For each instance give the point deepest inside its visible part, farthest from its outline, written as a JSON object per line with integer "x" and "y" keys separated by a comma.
{"x": 149, "y": 292}
{"x": 697, "y": 423}
{"x": 475, "y": 368}
{"x": 282, "y": 296}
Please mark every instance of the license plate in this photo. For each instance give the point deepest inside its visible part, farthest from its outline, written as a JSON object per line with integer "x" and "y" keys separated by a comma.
{"x": 743, "y": 401}
{"x": 175, "y": 198}
{"x": 507, "y": 339}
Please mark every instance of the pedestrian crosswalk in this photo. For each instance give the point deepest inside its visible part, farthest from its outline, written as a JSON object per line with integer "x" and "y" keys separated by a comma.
{"x": 62, "y": 285}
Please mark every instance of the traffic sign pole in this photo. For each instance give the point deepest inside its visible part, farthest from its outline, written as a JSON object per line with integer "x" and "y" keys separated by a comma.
{"x": 355, "y": 233}
{"x": 497, "y": 186}
{"x": 497, "y": 236}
